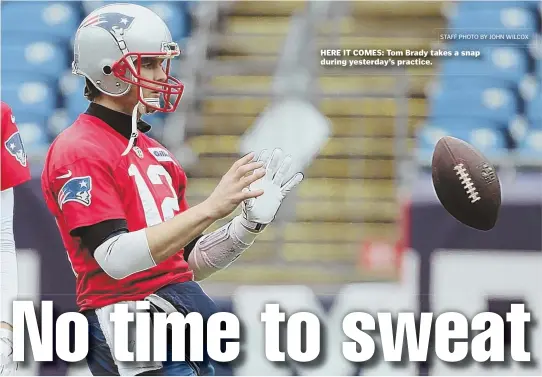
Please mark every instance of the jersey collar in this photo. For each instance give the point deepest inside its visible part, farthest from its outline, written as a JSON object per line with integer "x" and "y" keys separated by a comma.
{"x": 120, "y": 122}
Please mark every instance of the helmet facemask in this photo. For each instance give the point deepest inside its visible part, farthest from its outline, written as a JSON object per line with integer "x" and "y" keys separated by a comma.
{"x": 128, "y": 69}
{"x": 125, "y": 70}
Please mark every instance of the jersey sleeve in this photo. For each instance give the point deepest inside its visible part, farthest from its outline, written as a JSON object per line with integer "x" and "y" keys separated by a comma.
{"x": 181, "y": 194}
{"x": 15, "y": 169}
{"x": 183, "y": 203}
{"x": 85, "y": 193}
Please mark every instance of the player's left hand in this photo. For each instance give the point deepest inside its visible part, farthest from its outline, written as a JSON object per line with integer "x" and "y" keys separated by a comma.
{"x": 8, "y": 367}
{"x": 262, "y": 210}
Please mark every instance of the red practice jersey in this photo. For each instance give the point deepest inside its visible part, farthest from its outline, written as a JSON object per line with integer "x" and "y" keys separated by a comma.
{"x": 14, "y": 163}
{"x": 86, "y": 181}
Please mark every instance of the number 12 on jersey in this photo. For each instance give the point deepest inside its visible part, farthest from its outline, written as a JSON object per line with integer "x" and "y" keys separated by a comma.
{"x": 169, "y": 204}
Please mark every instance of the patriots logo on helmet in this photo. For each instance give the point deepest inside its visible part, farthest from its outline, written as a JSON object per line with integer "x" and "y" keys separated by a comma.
{"x": 15, "y": 147}
{"x": 77, "y": 190}
{"x": 115, "y": 23}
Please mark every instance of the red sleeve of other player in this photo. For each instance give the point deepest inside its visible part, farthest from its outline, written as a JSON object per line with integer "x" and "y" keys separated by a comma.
{"x": 14, "y": 162}
{"x": 85, "y": 193}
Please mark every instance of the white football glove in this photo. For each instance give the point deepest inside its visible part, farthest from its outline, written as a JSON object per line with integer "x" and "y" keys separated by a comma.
{"x": 258, "y": 212}
{"x": 8, "y": 367}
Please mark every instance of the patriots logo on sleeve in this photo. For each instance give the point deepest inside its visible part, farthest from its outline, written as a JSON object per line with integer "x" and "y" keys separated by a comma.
{"x": 77, "y": 190}
{"x": 15, "y": 147}
{"x": 115, "y": 23}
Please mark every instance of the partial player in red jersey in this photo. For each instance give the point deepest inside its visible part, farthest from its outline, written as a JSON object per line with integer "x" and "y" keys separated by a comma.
{"x": 15, "y": 171}
{"x": 119, "y": 197}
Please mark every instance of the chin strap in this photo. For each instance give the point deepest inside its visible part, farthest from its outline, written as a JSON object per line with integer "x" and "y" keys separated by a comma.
{"x": 134, "y": 133}
{"x": 139, "y": 108}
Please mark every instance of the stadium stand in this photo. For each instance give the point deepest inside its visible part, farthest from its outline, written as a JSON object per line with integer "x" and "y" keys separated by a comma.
{"x": 36, "y": 63}
{"x": 350, "y": 194}
{"x": 488, "y": 101}
{"x": 379, "y": 117}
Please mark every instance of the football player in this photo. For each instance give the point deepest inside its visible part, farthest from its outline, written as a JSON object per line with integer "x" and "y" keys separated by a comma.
{"x": 119, "y": 197}
{"x": 15, "y": 171}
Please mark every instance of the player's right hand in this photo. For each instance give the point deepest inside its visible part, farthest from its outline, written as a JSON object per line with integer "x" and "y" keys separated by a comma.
{"x": 8, "y": 367}
{"x": 232, "y": 190}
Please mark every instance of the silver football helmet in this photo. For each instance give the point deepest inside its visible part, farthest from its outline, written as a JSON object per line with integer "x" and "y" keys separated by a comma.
{"x": 108, "y": 48}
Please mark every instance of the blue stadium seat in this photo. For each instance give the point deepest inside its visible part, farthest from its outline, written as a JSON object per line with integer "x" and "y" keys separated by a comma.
{"x": 12, "y": 79}
{"x": 30, "y": 97}
{"x": 91, "y": 5}
{"x": 530, "y": 149}
{"x": 503, "y": 63}
{"x": 487, "y": 140}
{"x": 72, "y": 89}
{"x": 495, "y": 104}
{"x": 457, "y": 83}
{"x": 22, "y": 117}
{"x": 494, "y": 20}
{"x": 463, "y": 6}
{"x": 70, "y": 84}
{"x": 56, "y": 20}
{"x": 538, "y": 68}
{"x": 462, "y": 123}
{"x": 79, "y": 104}
{"x": 534, "y": 109}
{"x": 173, "y": 13}
{"x": 27, "y": 117}
{"x": 426, "y": 139}
{"x": 174, "y": 16}
{"x": 34, "y": 136}
{"x": 76, "y": 105}
{"x": 517, "y": 129}
{"x": 38, "y": 58}
{"x": 59, "y": 121}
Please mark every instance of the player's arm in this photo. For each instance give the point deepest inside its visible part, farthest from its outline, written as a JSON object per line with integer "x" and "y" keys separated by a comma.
{"x": 121, "y": 253}
{"x": 8, "y": 259}
{"x": 114, "y": 247}
{"x": 14, "y": 171}
{"x": 8, "y": 282}
{"x": 217, "y": 250}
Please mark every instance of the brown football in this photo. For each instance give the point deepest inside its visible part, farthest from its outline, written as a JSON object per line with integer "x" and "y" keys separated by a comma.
{"x": 466, "y": 183}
